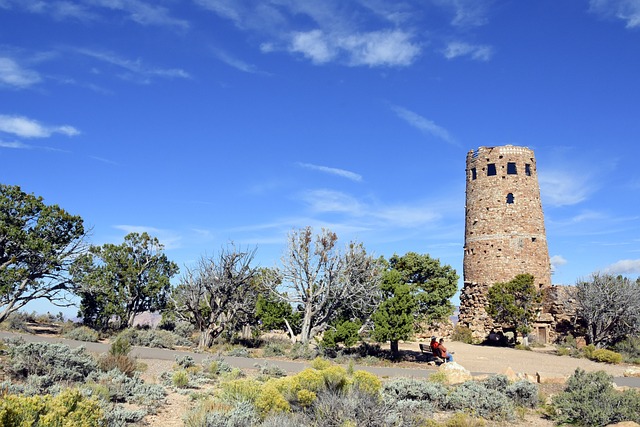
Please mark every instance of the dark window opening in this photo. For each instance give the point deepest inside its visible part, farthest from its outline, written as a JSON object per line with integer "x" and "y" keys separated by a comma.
{"x": 533, "y": 239}
{"x": 511, "y": 168}
{"x": 510, "y": 198}
{"x": 473, "y": 173}
{"x": 527, "y": 169}
{"x": 491, "y": 169}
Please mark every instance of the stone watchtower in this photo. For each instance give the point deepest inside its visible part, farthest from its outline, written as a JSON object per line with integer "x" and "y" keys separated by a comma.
{"x": 504, "y": 230}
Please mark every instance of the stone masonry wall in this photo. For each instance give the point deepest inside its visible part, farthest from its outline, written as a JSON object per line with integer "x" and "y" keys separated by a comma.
{"x": 504, "y": 228}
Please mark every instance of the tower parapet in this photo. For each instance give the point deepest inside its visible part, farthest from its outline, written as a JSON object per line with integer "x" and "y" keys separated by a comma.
{"x": 504, "y": 228}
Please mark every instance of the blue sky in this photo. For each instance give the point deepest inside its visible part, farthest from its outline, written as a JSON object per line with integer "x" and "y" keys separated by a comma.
{"x": 209, "y": 121}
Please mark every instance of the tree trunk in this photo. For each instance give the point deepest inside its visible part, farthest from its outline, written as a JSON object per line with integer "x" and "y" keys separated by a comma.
{"x": 395, "y": 352}
{"x": 206, "y": 339}
{"x": 306, "y": 324}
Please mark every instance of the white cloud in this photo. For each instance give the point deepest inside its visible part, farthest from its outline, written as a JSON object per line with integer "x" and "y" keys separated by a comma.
{"x": 234, "y": 62}
{"x": 333, "y": 171}
{"x": 14, "y": 144}
{"x": 136, "y": 67}
{"x": 314, "y": 45}
{"x": 423, "y": 124}
{"x": 332, "y": 201}
{"x": 376, "y": 48}
{"x": 467, "y": 13}
{"x": 625, "y": 10}
{"x": 390, "y": 48}
{"x": 625, "y": 266}
{"x": 562, "y": 188}
{"x": 27, "y": 128}
{"x": 478, "y": 52}
{"x": 11, "y": 74}
{"x": 143, "y": 13}
{"x": 557, "y": 261}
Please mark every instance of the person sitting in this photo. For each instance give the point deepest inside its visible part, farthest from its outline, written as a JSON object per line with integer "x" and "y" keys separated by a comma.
{"x": 434, "y": 346}
{"x": 442, "y": 351}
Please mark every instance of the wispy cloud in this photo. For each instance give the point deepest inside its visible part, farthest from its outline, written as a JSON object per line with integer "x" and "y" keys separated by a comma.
{"x": 234, "y": 62}
{"x": 557, "y": 261}
{"x": 423, "y": 124}
{"x": 140, "y": 12}
{"x": 28, "y": 128}
{"x": 14, "y": 145}
{"x": 625, "y": 10}
{"x": 333, "y": 171}
{"x": 334, "y": 36}
{"x": 377, "y": 48}
{"x": 563, "y": 188}
{"x": 625, "y": 266}
{"x": 13, "y": 75}
{"x": 136, "y": 68}
{"x": 467, "y": 13}
{"x": 477, "y": 52}
{"x": 144, "y": 13}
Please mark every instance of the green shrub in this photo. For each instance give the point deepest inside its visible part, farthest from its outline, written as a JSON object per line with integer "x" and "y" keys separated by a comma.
{"x": 121, "y": 345}
{"x": 523, "y": 393}
{"x": 462, "y": 334}
{"x": 238, "y": 352}
{"x": 122, "y": 388}
{"x": 606, "y": 356}
{"x": 588, "y": 350}
{"x": 241, "y": 390}
{"x": 497, "y": 382}
{"x": 124, "y": 363}
{"x": 273, "y": 349}
{"x": 215, "y": 366}
{"x": 474, "y": 397}
{"x": 302, "y": 351}
{"x": 68, "y": 409}
{"x": 332, "y": 408}
{"x": 82, "y": 333}
{"x": 270, "y": 370}
{"x": 411, "y": 389}
{"x": 58, "y": 362}
{"x": 343, "y": 332}
{"x": 366, "y": 382}
{"x": 185, "y": 361}
{"x": 629, "y": 348}
{"x": 180, "y": 379}
{"x": 563, "y": 351}
{"x": 590, "y": 399}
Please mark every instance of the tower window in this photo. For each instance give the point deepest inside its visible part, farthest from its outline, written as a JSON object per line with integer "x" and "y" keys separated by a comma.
{"x": 473, "y": 173}
{"x": 491, "y": 169}
{"x": 510, "y": 198}
{"x": 527, "y": 169}
{"x": 511, "y": 168}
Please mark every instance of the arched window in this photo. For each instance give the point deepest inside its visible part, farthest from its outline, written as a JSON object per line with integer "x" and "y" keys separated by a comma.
{"x": 510, "y": 198}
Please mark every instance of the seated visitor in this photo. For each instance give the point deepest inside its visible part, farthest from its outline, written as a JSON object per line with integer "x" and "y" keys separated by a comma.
{"x": 443, "y": 353}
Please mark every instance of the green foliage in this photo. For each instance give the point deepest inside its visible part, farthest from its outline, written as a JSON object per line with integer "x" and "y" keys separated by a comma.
{"x": 83, "y": 333}
{"x": 272, "y": 311}
{"x": 523, "y": 393}
{"x": 121, "y": 346}
{"x": 412, "y": 389}
{"x": 123, "y": 280}
{"x": 68, "y": 409}
{"x": 462, "y": 334}
{"x": 124, "y": 389}
{"x": 629, "y": 348}
{"x": 394, "y": 318}
{"x": 241, "y": 390}
{"x": 475, "y": 398}
{"x": 514, "y": 303}
{"x": 270, "y": 370}
{"x": 180, "y": 379}
{"x": 606, "y": 356}
{"x": 432, "y": 283}
{"x": 302, "y": 351}
{"x": 56, "y": 362}
{"x": 38, "y": 244}
{"x": 366, "y": 382}
{"x": 274, "y": 349}
{"x": 342, "y": 332}
{"x": 589, "y": 399}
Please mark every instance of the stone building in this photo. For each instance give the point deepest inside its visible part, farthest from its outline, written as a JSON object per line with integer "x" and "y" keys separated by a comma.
{"x": 504, "y": 232}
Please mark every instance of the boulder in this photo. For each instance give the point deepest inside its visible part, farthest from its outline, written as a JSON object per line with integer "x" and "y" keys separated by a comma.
{"x": 545, "y": 378}
{"x": 624, "y": 424}
{"x": 632, "y": 372}
{"x": 455, "y": 373}
{"x": 510, "y": 374}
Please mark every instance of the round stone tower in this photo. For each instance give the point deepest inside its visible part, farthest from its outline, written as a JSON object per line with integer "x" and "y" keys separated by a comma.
{"x": 504, "y": 228}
